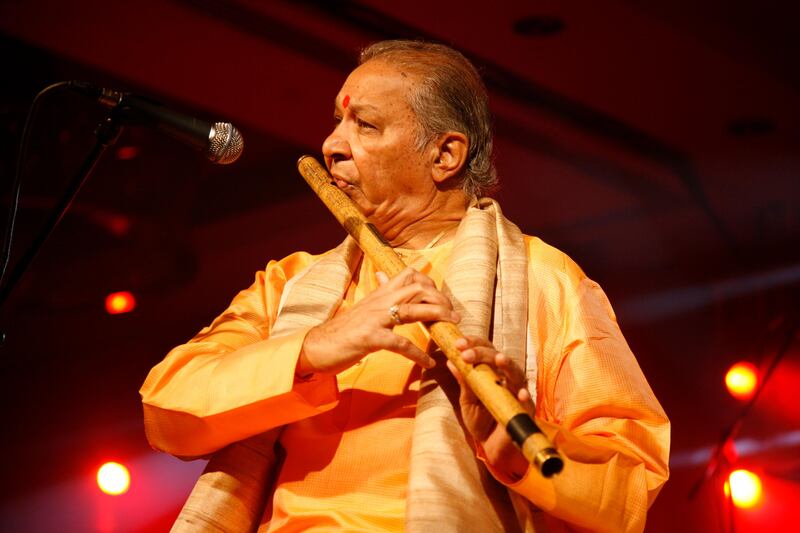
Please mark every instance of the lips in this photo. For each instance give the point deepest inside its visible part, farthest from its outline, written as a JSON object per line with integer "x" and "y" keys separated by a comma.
{"x": 341, "y": 183}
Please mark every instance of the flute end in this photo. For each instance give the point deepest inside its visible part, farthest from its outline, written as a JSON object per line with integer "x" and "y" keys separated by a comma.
{"x": 549, "y": 462}
{"x": 302, "y": 157}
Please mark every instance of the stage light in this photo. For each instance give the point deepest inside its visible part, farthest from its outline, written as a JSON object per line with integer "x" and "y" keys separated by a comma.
{"x": 117, "y": 225}
{"x": 741, "y": 380}
{"x": 126, "y": 153}
{"x": 113, "y": 479}
{"x": 120, "y": 302}
{"x": 744, "y": 489}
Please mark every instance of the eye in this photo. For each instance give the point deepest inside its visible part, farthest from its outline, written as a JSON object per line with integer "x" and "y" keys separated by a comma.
{"x": 337, "y": 118}
{"x": 365, "y": 125}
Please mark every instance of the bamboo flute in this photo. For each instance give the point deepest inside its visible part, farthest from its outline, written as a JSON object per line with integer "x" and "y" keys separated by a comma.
{"x": 481, "y": 378}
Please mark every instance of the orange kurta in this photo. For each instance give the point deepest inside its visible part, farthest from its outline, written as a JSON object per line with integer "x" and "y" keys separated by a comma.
{"x": 348, "y": 437}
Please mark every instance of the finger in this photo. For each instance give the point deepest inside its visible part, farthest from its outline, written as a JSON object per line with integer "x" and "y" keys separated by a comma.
{"x": 386, "y": 283}
{"x": 524, "y": 397}
{"x": 456, "y": 374}
{"x": 477, "y": 420}
{"x": 409, "y": 276}
{"x": 467, "y": 396}
{"x": 468, "y": 341}
{"x": 514, "y": 374}
{"x": 418, "y": 277}
{"x": 406, "y": 348}
{"x": 463, "y": 343}
{"x": 474, "y": 340}
{"x": 480, "y": 354}
{"x": 420, "y": 293}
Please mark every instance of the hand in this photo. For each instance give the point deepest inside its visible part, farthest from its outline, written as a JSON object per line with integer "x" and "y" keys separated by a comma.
{"x": 501, "y": 452}
{"x": 339, "y": 343}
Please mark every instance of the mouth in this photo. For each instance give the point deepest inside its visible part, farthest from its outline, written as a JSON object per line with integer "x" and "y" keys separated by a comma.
{"x": 342, "y": 184}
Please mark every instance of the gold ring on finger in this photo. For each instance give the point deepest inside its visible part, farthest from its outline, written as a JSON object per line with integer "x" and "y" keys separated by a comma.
{"x": 394, "y": 312}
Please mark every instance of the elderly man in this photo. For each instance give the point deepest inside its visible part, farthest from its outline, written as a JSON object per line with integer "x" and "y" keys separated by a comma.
{"x": 327, "y": 353}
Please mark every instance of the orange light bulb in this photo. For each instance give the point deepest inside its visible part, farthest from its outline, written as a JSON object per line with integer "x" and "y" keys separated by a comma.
{"x": 741, "y": 380}
{"x": 120, "y": 302}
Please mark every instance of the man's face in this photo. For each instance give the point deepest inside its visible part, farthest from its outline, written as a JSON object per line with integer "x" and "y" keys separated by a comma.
{"x": 372, "y": 153}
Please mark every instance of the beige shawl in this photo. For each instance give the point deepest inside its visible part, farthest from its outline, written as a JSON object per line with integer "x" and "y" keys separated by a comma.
{"x": 448, "y": 488}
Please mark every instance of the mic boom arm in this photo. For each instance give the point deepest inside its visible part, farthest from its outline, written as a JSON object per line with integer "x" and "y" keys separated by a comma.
{"x": 221, "y": 141}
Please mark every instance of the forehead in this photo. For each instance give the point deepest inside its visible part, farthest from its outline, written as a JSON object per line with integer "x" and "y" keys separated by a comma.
{"x": 377, "y": 84}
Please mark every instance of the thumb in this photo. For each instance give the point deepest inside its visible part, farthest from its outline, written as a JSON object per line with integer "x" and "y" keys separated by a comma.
{"x": 466, "y": 392}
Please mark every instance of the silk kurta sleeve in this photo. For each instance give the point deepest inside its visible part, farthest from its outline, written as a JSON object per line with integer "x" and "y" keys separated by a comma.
{"x": 595, "y": 404}
{"x": 232, "y": 380}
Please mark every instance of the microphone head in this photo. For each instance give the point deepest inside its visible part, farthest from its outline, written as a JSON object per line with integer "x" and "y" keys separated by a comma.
{"x": 225, "y": 143}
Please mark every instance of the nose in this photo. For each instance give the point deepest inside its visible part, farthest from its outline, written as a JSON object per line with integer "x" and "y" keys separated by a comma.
{"x": 335, "y": 148}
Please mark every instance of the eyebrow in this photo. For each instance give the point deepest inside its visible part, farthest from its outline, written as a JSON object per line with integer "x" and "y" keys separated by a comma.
{"x": 355, "y": 107}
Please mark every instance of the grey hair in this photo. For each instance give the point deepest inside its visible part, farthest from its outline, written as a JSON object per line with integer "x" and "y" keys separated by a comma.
{"x": 449, "y": 97}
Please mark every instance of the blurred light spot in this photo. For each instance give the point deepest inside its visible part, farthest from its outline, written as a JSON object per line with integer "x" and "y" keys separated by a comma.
{"x": 113, "y": 479}
{"x": 118, "y": 225}
{"x": 77, "y": 504}
{"x": 744, "y": 489}
{"x": 741, "y": 380}
{"x": 120, "y": 302}
{"x": 126, "y": 153}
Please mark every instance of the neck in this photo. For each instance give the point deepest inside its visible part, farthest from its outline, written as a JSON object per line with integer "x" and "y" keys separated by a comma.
{"x": 438, "y": 220}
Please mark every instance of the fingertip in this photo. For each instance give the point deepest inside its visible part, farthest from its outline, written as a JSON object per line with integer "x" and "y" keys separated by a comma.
{"x": 453, "y": 370}
{"x": 455, "y": 317}
{"x": 382, "y": 277}
{"x": 468, "y": 355}
{"x": 462, "y": 343}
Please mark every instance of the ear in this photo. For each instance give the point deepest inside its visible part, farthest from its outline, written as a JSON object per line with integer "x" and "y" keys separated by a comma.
{"x": 450, "y": 156}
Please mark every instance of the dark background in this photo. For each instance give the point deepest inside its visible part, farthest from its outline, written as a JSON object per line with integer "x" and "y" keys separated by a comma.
{"x": 655, "y": 142}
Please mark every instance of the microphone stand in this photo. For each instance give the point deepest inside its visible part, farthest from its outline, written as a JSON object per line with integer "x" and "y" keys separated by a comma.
{"x": 107, "y": 133}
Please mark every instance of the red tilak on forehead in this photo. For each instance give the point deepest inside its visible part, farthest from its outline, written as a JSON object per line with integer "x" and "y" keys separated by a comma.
{"x": 346, "y": 101}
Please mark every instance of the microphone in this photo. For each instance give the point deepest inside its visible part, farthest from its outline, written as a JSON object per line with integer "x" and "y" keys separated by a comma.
{"x": 221, "y": 142}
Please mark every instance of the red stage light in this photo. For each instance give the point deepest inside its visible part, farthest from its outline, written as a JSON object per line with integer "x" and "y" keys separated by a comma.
{"x": 126, "y": 153}
{"x": 117, "y": 225}
{"x": 741, "y": 380}
{"x": 744, "y": 489}
{"x": 113, "y": 479}
{"x": 120, "y": 302}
